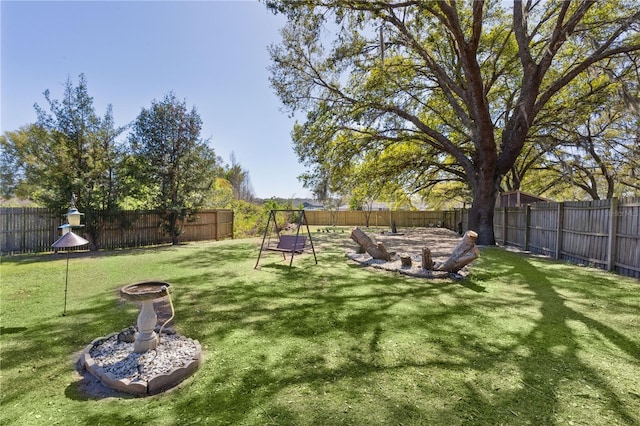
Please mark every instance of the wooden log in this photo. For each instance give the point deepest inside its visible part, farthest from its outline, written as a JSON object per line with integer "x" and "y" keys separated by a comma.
{"x": 427, "y": 262}
{"x": 375, "y": 250}
{"x": 405, "y": 260}
{"x": 464, "y": 253}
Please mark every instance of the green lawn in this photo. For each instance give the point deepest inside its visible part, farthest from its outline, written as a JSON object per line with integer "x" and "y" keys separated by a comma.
{"x": 521, "y": 341}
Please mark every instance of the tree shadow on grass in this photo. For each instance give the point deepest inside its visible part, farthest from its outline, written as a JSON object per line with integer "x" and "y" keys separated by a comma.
{"x": 82, "y": 253}
{"x": 336, "y": 344}
{"x": 48, "y": 353}
{"x": 554, "y": 340}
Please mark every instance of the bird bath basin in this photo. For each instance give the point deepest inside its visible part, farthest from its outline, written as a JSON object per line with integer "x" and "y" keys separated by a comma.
{"x": 145, "y": 292}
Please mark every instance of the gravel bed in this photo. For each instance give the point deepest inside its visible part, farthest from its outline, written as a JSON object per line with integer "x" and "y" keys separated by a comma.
{"x": 119, "y": 359}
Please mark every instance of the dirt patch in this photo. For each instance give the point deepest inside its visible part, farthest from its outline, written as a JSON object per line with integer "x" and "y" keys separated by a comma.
{"x": 410, "y": 242}
{"x": 440, "y": 241}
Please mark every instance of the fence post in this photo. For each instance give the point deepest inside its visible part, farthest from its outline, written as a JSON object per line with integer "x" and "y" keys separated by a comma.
{"x": 23, "y": 240}
{"x": 233, "y": 222}
{"x": 217, "y": 220}
{"x": 505, "y": 226}
{"x": 527, "y": 226}
{"x": 559, "y": 229}
{"x": 613, "y": 233}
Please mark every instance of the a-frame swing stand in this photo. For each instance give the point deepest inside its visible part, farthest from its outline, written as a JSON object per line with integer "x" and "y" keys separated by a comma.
{"x": 291, "y": 244}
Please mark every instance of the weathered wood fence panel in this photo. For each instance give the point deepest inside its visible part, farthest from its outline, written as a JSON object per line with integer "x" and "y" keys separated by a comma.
{"x": 626, "y": 247}
{"x": 585, "y": 232}
{"x": 513, "y": 226}
{"x": 209, "y": 225}
{"x": 137, "y": 229}
{"x": 603, "y": 233}
{"x": 31, "y": 230}
{"x": 378, "y": 218}
{"x": 456, "y": 219}
{"x": 543, "y": 221}
{"x": 27, "y": 229}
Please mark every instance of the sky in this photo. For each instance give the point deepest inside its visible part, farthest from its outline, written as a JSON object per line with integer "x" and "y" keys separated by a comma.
{"x": 211, "y": 54}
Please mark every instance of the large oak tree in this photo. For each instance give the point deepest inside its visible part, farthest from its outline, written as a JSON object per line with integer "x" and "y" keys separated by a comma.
{"x": 435, "y": 87}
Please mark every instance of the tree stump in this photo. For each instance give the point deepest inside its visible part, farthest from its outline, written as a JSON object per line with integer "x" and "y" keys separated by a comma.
{"x": 464, "y": 253}
{"x": 375, "y": 250}
{"x": 427, "y": 262}
{"x": 405, "y": 260}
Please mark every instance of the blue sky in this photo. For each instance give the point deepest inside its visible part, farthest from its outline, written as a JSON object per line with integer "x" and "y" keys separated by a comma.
{"x": 212, "y": 54}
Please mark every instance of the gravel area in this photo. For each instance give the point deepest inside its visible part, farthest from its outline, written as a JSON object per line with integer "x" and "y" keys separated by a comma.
{"x": 118, "y": 358}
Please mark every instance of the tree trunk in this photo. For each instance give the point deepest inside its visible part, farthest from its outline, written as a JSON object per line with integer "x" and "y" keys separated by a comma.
{"x": 464, "y": 253}
{"x": 480, "y": 219}
{"x": 377, "y": 251}
{"x": 427, "y": 261}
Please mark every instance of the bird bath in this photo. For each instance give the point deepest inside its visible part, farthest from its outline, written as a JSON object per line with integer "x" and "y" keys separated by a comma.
{"x": 142, "y": 366}
{"x": 145, "y": 292}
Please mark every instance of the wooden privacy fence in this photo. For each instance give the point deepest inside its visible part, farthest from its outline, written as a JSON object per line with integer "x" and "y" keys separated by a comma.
{"x": 603, "y": 233}
{"x": 31, "y": 230}
{"x": 383, "y": 218}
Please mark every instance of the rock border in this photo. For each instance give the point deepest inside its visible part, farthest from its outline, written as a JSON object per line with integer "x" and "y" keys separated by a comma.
{"x": 136, "y": 386}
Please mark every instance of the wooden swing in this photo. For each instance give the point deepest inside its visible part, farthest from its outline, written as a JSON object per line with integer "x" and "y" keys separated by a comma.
{"x": 287, "y": 243}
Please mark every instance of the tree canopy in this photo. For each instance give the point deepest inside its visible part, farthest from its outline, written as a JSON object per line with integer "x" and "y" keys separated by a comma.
{"x": 173, "y": 160}
{"x": 69, "y": 151}
{"x": 161, "y": 165}
{"x": 429, "y": 91}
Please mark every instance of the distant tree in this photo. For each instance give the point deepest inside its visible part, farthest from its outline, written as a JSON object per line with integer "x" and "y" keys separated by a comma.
{"x": 442, "y": 79}
{"x": 69, "y": 150}
{"x": 14, "y": 149}
{"x": 221, "y": 194}
{"x": 239, "y": 180}
{"x": 362, "y": 198}
{"x": 172, "y": 160}
{"x": 249, "y": 219}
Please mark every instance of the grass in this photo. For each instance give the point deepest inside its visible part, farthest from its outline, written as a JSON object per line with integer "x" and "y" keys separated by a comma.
{"x": 521, "y": 341}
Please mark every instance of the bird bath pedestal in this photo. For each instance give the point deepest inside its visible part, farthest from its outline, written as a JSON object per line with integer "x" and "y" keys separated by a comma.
{"x": 146, "y": 293}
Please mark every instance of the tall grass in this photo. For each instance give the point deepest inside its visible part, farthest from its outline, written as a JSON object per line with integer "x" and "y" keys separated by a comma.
{"x": 522, "y": 340}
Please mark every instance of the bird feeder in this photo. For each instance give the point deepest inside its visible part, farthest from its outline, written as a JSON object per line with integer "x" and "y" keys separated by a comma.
{"x": 73, "y": 217}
